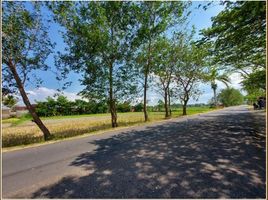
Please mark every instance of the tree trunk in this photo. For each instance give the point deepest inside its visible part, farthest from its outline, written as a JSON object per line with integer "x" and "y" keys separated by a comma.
{"x": 111, "y": 99}
{"x": 145, "y": 98}
{"x": 184, "y": 107}
{"x": 113, "y": 114}
{"x": 184, "y": 110}
{"x": 215, "y": 97}
{"x": 146, "y": 73}
{"x": 169, "y": 102}
{"x": 111, "y": 92}
{"x": 26, "y": 101}
{"x": 166, "y": 104}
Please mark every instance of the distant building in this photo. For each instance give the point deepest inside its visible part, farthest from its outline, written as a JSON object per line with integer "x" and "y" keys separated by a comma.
{"x": 20, "y": 110}
{"x": 6, "y": 112}
{"x": 15, "y": 111}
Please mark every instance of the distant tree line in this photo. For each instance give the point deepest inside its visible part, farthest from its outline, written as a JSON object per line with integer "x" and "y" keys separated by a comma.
{"x": 61, "y": 106}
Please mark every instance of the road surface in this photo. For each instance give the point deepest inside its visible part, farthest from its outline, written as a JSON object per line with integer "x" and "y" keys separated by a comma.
{"x": 220, "y": 154}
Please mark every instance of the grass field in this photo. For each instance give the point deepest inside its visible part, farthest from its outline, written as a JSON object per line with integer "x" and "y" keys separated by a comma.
{"x": 23, "y": 131}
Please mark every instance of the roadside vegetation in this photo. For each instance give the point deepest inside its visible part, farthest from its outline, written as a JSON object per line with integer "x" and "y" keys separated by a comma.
{"x": 22, "y": 131}
{"x": 121, "y": 49}
{"x": 230, "y": 97}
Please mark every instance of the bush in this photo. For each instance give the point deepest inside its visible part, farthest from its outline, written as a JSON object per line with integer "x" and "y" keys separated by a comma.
{"x": 230, "y": 97}
{"x": 138, "y": 107}
{"x": 124, "y": 107}
{"x": 62, "y": 106}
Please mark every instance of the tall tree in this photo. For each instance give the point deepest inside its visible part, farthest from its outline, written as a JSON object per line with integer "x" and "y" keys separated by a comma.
{"x": 98, "y": 36}
{"x": 189, "y": 69}
{"x": 230, "y": 97}
{"x": 154, "y": 18}
{"x": 25, "y": 47}
{"x": 163, "y": 68}
{"x": 239, "y": 34}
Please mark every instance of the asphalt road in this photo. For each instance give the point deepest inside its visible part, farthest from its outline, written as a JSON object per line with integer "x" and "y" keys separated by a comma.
{"x": 220, "y": 154}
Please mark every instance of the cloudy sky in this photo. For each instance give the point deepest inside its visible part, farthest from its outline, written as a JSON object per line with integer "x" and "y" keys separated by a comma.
{"x": 199, "y": 18}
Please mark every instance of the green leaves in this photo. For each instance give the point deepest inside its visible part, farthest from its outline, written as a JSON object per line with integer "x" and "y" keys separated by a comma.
{"x": 230, "y": 97}
{"x": 214, "y": 74}
{"x": 154, "y": 18}
{"x": 98, "y": 35}
{"x": 255, "y": 81}
{"x": 188, "y": 61}
{"x": 239, "y": 36}
{"x": 9, "y": 100}
{"x": 25, "y": 42}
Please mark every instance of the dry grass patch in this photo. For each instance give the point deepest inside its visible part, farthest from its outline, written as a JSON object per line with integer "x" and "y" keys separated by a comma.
{"x": 26, "y": 132}
{"x": 22, "y": 135}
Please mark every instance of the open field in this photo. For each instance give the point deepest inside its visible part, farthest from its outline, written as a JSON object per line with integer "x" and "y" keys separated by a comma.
{"x": 23, "y": 131}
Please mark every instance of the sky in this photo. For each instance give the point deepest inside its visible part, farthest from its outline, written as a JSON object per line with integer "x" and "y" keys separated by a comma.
{"x": 199, "y": 18}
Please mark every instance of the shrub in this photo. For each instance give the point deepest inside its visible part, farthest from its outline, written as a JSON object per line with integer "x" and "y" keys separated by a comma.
{"x": 230, "y": 97}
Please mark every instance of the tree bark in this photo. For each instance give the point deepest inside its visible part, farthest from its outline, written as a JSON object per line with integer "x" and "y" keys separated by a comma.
{"x": 111, "y": 99}
{"x": 145, "y": 98}
{"x": 184, "y": 107}
{"x": 184, "y": 110}
{"x": 26, "y": 101}
{"x": 113, "y": 114}
{"x": 147, "y": 70}
{"x": 166, "y": 104}
{"x": 215, "y": 97}
{"x": 169, "y": 103}
{"x": 111, "y": 92}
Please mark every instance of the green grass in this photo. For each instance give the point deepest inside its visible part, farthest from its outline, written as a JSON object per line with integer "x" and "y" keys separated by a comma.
{"x": 10, "y": 120}
{"x": 195, "y": 110}
{"x": 175, "y": 113}
{"x": 17, "y": 121}
{"x": 23, "y": 134}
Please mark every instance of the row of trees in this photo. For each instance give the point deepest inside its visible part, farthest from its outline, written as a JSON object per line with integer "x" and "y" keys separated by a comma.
{"x": 61, "y": 106}
{"x": 125, "y": 42}
{"x": 113, "y": 45}
{"x": 119, "y": 46}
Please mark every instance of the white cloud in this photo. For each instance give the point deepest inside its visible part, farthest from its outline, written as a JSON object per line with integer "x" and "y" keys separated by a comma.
{"x": 236, "y": 80}
{"x": 40, "y": 94}
{"x": 31, "y": 93}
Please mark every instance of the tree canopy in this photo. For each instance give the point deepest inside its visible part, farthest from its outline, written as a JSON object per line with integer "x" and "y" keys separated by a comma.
{"x": 239, "y": 37}
{"x": 25, "y": 47}
{"x": 99, "y": 35}
{"x": 153, "y": 20}
{"x": 189, "y": 68}
{"x": 25, "y": 42}
{"x": 230, "y": 97}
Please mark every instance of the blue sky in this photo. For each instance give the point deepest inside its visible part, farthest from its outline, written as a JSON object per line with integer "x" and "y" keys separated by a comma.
{"x": 199, "y": 18}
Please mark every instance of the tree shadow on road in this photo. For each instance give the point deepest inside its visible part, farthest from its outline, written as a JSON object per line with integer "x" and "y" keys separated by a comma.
{"x": 212, "y": 157}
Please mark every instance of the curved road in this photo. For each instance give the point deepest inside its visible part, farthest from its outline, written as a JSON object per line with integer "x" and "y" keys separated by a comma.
{"x": 220, "y": 154}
